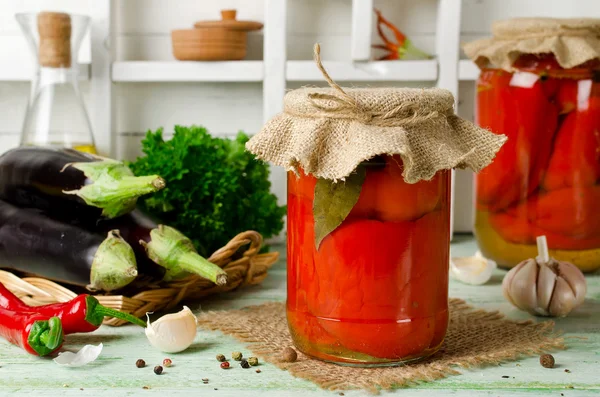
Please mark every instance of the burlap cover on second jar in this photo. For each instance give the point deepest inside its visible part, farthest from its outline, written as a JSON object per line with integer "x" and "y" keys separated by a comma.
{"x": 573, "y": 41}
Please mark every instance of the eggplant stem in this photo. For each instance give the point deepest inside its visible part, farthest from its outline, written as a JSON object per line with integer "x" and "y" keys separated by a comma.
{"x": 117, "y": 196}
{"x": 175, "y": 252}
{"x": 193, "y": 263}
{"x": 114, "y": 264}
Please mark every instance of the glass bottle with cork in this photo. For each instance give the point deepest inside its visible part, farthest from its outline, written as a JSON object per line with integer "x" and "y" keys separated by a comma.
{"x": 56, "y": 114}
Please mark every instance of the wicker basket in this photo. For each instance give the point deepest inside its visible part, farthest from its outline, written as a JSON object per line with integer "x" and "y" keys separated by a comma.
{"x": 244, "y": 266}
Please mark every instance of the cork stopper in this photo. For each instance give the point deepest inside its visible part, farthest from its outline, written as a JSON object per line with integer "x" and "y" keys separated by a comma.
{"x": 55, "y": 39}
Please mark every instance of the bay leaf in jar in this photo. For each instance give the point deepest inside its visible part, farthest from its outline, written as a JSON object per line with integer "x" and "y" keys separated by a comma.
{"x": 334, "y": 201}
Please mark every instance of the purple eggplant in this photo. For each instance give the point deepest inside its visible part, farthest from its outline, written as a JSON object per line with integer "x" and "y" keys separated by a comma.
{"x": 31, "y": 242}
{"x": 77, "y": 185}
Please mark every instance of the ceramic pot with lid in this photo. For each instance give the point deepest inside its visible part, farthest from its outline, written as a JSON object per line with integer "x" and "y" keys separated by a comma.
{"x": 222, "y": 40}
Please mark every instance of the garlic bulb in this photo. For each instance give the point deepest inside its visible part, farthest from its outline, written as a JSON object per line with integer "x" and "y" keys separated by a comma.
{"x": 173, "y": 333}
{"x": 544, "y": 286}
{"x": 474, "y": 270}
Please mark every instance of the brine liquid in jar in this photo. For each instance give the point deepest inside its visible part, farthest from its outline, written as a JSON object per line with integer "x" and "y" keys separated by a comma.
{"x": 375, "y": 291}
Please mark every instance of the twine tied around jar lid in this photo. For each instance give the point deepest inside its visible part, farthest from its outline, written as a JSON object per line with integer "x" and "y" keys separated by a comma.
{"x": 348, "y": 107}
{"x": 54, "y": 29}
{"x": 572, "y": 41}
{"x": 328, "y": 132}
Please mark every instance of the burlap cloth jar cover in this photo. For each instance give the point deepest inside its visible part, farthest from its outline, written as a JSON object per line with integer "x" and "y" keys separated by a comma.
{"x": 328, "y": 132}
{"x": 571, "y": 41}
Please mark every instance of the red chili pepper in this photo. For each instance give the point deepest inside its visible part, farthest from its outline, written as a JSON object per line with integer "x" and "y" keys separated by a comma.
{"x": 401, "y": 48}
{"x": 36, "y": 333}
{"x": 82, "y": 314}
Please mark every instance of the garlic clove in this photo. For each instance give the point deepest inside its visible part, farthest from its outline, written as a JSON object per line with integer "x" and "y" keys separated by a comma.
{"x": 563, "y": 299}
{"x": 474, "y": 270}
{"x": 522, "y": 288}
{"x": 84, "y": 356}
{"x": 576, "y": 280}
{"x": 507, "y": 281}
{"x": 545, "y": 287}
{"x": 173, "y": 333}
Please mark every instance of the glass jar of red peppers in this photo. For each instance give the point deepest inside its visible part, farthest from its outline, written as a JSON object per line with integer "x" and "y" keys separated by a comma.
{"x": 368, "y": 216}
{"x": 546, "y": 179}
{"x": 375, "y": 290}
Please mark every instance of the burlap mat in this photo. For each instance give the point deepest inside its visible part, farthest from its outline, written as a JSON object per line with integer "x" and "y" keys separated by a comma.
{"x": 475, "y": 338}
{"x": 572, "y": 41}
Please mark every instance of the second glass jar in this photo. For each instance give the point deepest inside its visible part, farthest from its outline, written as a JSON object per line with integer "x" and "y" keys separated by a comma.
{"x": 544, "y": 181}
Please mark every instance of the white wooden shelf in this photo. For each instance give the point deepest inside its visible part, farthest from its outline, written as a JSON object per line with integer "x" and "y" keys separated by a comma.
{"x": 19, "y": 72}
{"x": 187, "y": 71}
{"x": 467, "y": 70}
{"x": 364, "y": 71}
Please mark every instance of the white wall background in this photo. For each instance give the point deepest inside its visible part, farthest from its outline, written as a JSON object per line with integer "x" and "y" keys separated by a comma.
{"x": 142, "y": 32}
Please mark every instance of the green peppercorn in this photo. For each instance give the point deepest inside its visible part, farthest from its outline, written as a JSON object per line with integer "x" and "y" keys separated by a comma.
{"x": 221, "y": 358}
{"x": 253, "y": 361}
{"x": 244, "y": 363}
{"x": 158, "y": 370}
{"x": 237, "y": 356}
{"x": 140, "y": 363}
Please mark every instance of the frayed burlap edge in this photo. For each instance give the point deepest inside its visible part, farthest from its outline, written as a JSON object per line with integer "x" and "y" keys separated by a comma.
{"x": 475, "y": 338}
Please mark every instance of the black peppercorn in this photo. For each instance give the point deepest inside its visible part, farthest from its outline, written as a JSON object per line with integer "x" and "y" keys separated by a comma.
{"x": 140, "y": 363}
{"x": 244, "y": 363}
{"x": 158, "y": 370}
{"x": 221, "y": 358}
{"x": 547, "y": 360}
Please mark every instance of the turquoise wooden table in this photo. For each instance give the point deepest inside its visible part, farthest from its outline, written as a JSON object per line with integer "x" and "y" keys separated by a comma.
{"x": 115, "y": 373}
